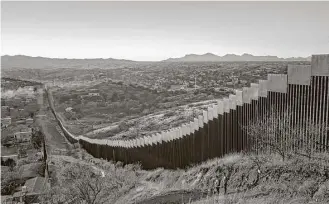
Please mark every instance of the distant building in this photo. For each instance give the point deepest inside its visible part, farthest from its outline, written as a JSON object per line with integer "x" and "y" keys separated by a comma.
{"x": 4, "y": 108}
{"x": 29, "y": 121}
{"x": 21, "y": 121}
{"x": 5, "y": 122}
{"x": 101, "y": 75}
{"x": 23, "y": 136}
{"x": 69, "y": 109}
{"x": 4, "y": 111}
{"x": 31, "y": 88}
{"x": 28, "y": 100}
{"x": 40, "y": 116}
{"x": 93, "y": 94}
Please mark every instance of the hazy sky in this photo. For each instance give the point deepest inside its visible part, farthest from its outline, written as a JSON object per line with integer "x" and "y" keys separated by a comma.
{"x": 159, "y": 30}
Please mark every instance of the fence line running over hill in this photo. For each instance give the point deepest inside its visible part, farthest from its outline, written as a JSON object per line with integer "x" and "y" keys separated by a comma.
{"x": 304, "y": 90}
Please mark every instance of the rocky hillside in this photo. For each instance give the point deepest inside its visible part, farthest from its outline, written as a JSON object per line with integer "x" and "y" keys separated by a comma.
{"x": 251, "y": 179}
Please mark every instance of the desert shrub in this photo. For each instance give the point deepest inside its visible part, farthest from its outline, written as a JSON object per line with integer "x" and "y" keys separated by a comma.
{"x": 10, "y": 163}
{"x": 169, "y": 114}
{"x": 95, "y": 182}
{"x": 123, "y": 126}
{"x": 37, "y": 138}
{"x": 308, "y": 188}
{"x": 322, "y": 193}
{"x": 9, "y": 181}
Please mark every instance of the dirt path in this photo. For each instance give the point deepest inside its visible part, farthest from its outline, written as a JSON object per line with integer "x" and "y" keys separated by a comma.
{"x": 178, "y": 196}
{"x": 54, "y": 139}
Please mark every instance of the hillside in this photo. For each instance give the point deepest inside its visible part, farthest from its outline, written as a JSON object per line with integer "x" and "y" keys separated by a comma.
{"x": 261, "y": 179}
{"x": 232, "y": 57}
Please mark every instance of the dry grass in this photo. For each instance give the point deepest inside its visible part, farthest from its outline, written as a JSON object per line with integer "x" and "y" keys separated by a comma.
{"x": 296, "y": 180}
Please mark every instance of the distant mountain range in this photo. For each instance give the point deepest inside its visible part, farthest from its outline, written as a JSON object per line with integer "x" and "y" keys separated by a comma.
{"x": 22, "y": 61}
{"x": 232, "y": 57}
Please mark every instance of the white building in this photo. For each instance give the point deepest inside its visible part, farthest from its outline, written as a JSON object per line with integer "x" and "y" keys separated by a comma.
{"x": 23, "y": 136}
{"x": 29, "y": 121}
{"x": 69, "y": 109}
{"x": 5, "y": 122}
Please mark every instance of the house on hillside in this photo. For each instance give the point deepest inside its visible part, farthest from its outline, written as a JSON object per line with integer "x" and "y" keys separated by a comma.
{"x": 101, "y": 75}
{"x": 28, "y": 100}
{"x": 20, "y": 121}
{"x": 29, "y": 121}
{"x": 5, "y": 111}
{"x": 68, "y": 109}
{"x": 23, "y": 136}
{"x": 5, "y": 122}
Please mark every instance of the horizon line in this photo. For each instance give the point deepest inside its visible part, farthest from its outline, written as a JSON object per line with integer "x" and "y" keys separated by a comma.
{"x": 153, "y": 60}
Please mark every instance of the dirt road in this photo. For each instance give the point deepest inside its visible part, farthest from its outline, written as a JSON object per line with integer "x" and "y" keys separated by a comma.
{"x": 54, "y": 139}
{"x": 178, "y": 196}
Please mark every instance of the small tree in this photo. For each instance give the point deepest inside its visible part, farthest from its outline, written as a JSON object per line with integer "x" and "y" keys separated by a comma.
{"x": 276, "y": 133}
{"x": 228, "y": 169}
{"x": 310, "y": 139}
{"x": 10, "y": 163}
{"x": 9, "y": 181}
{"x": 272, "y": 132}
{"x": 37, "y": 138}
{"x": 115, "y": 97}
{"x": 81, "y": 183}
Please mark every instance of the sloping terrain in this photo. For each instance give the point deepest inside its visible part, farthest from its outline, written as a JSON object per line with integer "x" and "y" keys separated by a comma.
{"x": 260, "y": 179}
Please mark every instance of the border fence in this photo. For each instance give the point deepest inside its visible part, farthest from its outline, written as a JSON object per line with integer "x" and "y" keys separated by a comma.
{"x": 223, "y": 128}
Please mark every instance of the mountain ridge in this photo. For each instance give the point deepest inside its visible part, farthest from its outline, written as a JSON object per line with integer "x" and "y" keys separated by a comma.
{"x": 233, "y": 57}
{"x": 23, "y": 61}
